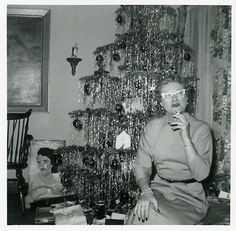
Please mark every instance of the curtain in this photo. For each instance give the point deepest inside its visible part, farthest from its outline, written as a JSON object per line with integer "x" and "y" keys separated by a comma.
{"x": 199, "y": 23}
{"x": 208, "y": 32}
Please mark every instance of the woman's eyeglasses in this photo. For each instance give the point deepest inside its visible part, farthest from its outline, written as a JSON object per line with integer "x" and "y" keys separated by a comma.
{"x": 168, "y": 96}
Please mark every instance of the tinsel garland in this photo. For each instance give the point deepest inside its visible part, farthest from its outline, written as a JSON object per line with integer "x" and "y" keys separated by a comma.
{"x": 165, "y": 52}
{"x": 142, "y": 84}
{"x": 99, "y": 88}
{"x": 146, "y": 51}
{"x": 150, "y": 43}
{"x": 102, "y": 126}
{"x": 98, "y": 174}
{"x": 153, "y": 17}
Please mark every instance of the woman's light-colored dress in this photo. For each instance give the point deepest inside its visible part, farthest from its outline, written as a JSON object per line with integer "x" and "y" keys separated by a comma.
{"x": 40, "y": 187}
{"x": 179, "y": 203}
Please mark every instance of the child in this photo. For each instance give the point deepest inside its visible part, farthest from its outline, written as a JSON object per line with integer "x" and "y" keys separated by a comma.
{"x": 45, "y": 184}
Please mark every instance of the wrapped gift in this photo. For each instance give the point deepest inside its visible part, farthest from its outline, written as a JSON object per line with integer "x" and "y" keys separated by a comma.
{"x": 72, "y": 215}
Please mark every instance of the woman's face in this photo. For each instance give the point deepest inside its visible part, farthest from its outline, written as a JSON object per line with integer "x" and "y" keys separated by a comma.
{"x": 44, "y": 164}
{"x": 173, "y": 97}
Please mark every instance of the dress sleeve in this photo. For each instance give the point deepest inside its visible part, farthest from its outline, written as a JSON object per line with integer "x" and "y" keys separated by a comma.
{"x": 200, "y": 166}
{"x": 57, "y": 187}
{"x": 143, "y": 162}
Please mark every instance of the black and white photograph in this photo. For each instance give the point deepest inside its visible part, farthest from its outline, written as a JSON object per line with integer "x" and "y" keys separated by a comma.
{"x": 117, "y": 114}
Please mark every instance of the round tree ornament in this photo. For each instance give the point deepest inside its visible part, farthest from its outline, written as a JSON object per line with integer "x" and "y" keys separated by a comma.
{"x": 77, "y": 124}
{"x": 116, "y": 57}
{"x": 119, "y": 19}
{"x": 87, "y": 89}
{"x": 99, "y": 58}
{"x": 187, "y": 56}
{"x": 119, "y": 108}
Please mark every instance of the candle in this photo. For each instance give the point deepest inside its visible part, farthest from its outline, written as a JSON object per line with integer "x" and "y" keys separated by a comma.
{"x": 75, "y": 50}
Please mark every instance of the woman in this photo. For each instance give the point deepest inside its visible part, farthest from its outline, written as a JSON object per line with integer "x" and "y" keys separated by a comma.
{"x": 45, "y": 184}
{"x": 180, "y": 147}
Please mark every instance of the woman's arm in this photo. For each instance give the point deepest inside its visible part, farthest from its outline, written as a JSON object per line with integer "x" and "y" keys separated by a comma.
{"x": 143, "y": 169}
{"x": 198, "y": 153}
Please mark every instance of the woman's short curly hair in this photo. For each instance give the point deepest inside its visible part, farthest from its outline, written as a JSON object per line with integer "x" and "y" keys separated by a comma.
{"x": 48, "y": 152}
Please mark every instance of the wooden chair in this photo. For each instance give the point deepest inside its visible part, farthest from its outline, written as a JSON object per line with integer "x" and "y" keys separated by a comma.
{"x": 18, "y": 142}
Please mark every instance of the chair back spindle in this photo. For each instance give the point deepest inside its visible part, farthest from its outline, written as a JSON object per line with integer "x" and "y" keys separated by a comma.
{"x": 17, "y": 135}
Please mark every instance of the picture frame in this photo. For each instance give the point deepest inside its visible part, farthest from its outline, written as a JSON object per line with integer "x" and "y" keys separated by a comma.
{"x": 28, "y": 40}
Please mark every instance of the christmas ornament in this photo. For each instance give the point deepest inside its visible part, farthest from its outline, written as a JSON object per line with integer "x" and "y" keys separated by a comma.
{"x": 119, "y": 108}
{"x": 122, "y": 45}
{"x": 99, "y": 58}
{"x": 144, "y": 46}
{"x": 121, "y": 67}
{"x": 123, "y": 120}
{"x": 87, "y": 89}
{"x": 115, "y": 164}
{"x": 123, "y": 140}
{"x": 138, "y": 84}
{"x": 119, "y": 19}
{"x": 116, "y": 57}
{"x": 89, "y": 162}
{"x": 78, "y": 124}
{"x": 124, "y": 197}
{"x": 187, "y": 56}
{"x": 109, "y": 139}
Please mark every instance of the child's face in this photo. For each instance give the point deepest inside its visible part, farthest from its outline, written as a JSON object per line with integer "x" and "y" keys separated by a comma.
{"x": 44, "y": 164}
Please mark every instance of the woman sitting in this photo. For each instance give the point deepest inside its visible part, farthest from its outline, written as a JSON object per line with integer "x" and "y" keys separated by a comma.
{"x": 180, "y": 147}
{"x": 45, "y": 184}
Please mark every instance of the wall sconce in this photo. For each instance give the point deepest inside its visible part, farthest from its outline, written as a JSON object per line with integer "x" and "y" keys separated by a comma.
{"x": 74, "y": 60}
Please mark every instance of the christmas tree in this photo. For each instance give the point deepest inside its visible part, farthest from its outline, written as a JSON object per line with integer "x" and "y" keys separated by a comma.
{"x": 122, "y": 95}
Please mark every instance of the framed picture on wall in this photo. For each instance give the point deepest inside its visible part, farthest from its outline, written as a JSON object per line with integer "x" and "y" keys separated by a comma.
{"x": 28, "y": 33}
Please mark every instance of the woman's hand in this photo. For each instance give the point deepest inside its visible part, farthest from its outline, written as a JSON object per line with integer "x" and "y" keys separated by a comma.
{"x": 143, "y": 204}
{"x": 181, "y": 124}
